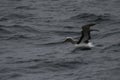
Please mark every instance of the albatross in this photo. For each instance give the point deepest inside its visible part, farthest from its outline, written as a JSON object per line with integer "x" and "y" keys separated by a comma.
{"x": 84, "y": 41}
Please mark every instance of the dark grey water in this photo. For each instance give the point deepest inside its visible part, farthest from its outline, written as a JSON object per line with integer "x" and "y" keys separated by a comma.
{"x": 32, "y": 32}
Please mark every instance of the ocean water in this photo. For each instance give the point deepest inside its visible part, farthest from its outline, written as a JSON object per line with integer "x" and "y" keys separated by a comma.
{"x": 32, "y": 34}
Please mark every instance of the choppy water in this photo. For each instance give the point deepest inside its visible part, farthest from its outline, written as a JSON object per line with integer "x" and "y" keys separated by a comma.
{"x": 32, "y": 32}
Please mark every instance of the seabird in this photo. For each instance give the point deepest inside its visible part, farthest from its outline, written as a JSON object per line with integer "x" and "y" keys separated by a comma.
{"x": 84, "y": 41}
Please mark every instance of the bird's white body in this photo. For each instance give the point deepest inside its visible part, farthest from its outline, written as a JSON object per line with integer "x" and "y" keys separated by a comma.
{"x": 81, "y": 45}
{"x": 84, "y": 45}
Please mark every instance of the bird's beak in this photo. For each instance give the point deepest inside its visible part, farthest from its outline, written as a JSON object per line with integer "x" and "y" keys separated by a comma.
{"x": 94, "y": 30}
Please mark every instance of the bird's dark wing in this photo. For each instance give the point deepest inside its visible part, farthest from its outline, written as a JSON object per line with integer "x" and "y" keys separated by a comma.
{"x": 85, "y": 37}
{"x": 82, "y": 35}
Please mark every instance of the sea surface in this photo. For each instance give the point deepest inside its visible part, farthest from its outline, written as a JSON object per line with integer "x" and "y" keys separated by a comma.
{"x": 32, "y": 34}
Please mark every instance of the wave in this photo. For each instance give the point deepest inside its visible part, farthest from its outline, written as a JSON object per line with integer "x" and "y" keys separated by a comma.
{"x": 4, "y": 31}
{"x": 67, "y": 33}
{"x": 110, "y": 34}
{"x": 19, "y": 28}
{"x": 91, "y": 17}
{"x": 16, "y": 37}
{"x": 113, "y": 47}
{"x": 56, "y": 65}
{"x": 25, "y": 8}
{"x": 14, "y": 32}
{"x": 15, "y": 16}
